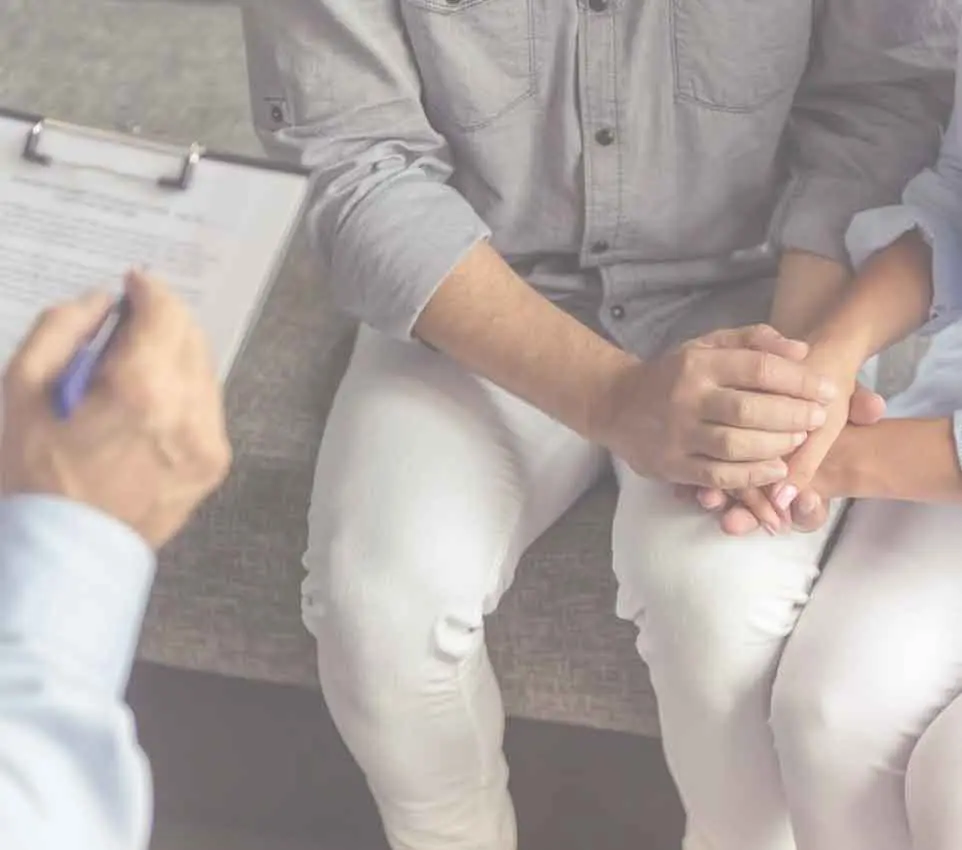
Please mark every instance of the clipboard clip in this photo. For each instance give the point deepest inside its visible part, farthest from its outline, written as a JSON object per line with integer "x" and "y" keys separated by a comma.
{"x": 181, "y": 181}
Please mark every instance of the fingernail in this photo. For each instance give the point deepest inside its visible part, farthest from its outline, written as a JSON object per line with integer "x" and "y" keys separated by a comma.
{"x": 786, "y": 495}
{"x": 806, "y": 505}
{"x": 772, "y": 531}
{"x": 827, "y": 391}
{"x": 818, "y": 417}
{"x": 798, "y": 439}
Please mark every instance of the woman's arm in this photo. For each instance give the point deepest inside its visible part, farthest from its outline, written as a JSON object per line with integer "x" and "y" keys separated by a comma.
{"x": 887, "y": 300}
{"x": 913, "y": 460}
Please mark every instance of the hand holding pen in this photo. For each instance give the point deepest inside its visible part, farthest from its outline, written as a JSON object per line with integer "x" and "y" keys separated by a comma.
{"x": 117, "y": 405}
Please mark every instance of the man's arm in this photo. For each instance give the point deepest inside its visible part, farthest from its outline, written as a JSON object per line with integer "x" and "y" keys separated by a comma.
{"x": 86, "y": 502}
{"x": 73, "y": 585}
{"x": 406, "y": 254}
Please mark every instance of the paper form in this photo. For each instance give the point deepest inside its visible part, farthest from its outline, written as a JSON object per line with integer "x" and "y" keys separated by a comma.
{"x": 66, "y": 229}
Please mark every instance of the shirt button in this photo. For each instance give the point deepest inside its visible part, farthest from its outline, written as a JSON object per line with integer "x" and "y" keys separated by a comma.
{"x": 600, "y": 247}
{"x": 605, "y": 136}
{"x": 617, "y": 312}
{"x": 598, "y": 5}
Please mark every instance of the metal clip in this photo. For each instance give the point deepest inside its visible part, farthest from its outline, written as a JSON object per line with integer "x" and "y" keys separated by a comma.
{"x": 181, "y": 181}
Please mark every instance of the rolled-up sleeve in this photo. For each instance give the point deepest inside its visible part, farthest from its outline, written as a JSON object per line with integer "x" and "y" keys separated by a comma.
{"x": 932, "y": 205}
{"x": 387, "y": 226}
{"x": 867, "y": 118}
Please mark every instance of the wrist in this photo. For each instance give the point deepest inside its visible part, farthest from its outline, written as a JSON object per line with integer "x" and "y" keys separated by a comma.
{"x": 618, "y": 375}
{"x": 845, "y": 349}
{"x": 851, "y": 468}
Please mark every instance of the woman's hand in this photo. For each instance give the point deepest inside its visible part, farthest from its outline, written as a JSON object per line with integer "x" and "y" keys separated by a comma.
{"x": 842, "y": 368}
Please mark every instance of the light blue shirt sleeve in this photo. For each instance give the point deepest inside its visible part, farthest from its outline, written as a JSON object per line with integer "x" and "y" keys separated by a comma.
{"x": 932, "y": 204}
{"x": 73, "y": 588}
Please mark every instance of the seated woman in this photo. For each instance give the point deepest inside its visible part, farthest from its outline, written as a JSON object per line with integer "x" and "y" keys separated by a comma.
{"x": 867, "y": 707}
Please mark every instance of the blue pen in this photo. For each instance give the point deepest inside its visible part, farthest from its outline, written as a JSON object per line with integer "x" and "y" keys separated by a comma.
{"x": 71, "y": 387}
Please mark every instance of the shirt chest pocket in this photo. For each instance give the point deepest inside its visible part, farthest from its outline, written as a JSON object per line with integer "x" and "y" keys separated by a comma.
{"x": 738, "y": 55}
{"x": 476, "y": 58}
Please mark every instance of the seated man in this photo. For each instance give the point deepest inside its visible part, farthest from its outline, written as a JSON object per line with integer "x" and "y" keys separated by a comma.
{"x": 555, "y": 197}
{"x": 84, "y": 505}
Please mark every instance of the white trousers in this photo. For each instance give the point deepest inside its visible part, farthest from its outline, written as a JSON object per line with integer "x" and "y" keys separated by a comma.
{"x": 430, "y": 485}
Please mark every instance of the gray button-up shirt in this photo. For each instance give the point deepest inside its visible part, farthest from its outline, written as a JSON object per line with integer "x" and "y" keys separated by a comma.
{"x": 641, "y": 162}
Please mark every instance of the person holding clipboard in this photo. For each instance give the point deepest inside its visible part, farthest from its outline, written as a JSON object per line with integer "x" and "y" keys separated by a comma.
{"x": 113, "y": 433}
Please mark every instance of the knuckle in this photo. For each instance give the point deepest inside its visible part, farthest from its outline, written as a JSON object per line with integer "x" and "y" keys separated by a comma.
{"x": 796, "y": 415}
{"x": 720, "y": 478}
{"x": 759, "y": 476}
{"x": 690, "y": 361}
{"x": 220, "y": 455}
{"x": 745, "y": 409}
{"x": 766, "y": 368}
{"x": 733, "y": 444}
{"x": 757, "y": 334}
{"x": 52, "y": 315}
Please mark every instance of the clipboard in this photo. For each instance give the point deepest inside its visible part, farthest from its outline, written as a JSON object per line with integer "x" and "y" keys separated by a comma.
{"x": 185, "y": 180}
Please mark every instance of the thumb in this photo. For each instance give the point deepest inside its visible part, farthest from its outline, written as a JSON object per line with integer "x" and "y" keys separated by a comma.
{"x": 866, "y": 408}
{"x": 809, "y": 512}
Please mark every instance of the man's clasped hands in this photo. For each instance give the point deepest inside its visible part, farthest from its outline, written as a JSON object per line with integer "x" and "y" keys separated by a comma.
{"x": 754, "y": 426}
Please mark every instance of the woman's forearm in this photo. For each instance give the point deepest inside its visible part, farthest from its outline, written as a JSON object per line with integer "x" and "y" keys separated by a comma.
{"x": 889, "y": 298}
{"x": 912, "y": 460}
{"x": 807, "y": 290}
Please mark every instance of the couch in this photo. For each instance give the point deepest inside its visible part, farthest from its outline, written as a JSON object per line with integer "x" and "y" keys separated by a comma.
{"x": 226, "y": 599}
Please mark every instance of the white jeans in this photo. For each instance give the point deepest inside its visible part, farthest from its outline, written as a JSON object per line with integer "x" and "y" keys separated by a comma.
{"x": 432, "y": 482}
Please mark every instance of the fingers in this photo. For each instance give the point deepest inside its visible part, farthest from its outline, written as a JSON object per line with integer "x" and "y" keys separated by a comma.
{"x": 761, "y": 412}
{"x": 55, "y": 338}
{"x": 810, "y": 512}
{"x": 711, "y": 500}
{"x": 721, "y": 475}
{"x": 866, "y": 408}
{"x": 156, "y": 325}
{"x": 803, "y": 466}
{"x": 141, "y": 370}
{"x": 743, "y": 444}
{"x": 739, "y": 521}
{"x": 758, "y": 338}
{"x": 763, "y": 371}
{"x": 203, "y": 435}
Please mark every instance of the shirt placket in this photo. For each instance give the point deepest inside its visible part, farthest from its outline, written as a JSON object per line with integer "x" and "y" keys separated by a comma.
{"x": 601, "y": 131}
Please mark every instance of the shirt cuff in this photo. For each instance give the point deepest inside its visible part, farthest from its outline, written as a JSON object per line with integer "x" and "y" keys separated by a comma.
{"x": 957, "y": 430}
{"x": 817, "y": 213}
{"x": 397, "y": 248}
{"x": 74, "y": 585}
{"x": 874, "y": 230}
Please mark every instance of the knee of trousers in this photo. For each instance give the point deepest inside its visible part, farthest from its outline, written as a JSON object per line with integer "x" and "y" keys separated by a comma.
{"x": 399, "y": 602}
{"x": 827, "y": 722}
{"x": 712, "y": 612}
{"x": 934, "y": 788}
